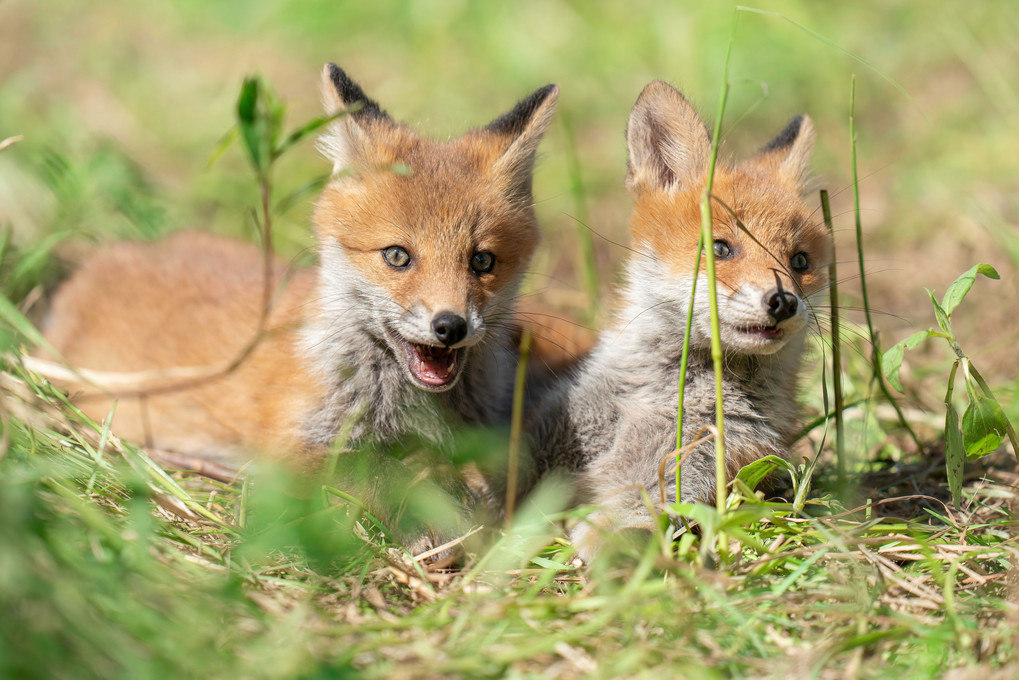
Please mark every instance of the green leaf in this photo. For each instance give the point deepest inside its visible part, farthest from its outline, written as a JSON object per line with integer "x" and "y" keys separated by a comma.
{"x": 310, "y": 187}
{"x": 983, "y": 424}
{"x": 960, "y": 287}
{"x": 248, "y": 100}
{"x": 251, "y": 124}
{"x": 955, "y": 454}
{"x": 274, "y": 111}
{"x": 939, "y": 313}
{"x": 546, "y": 563}
{"x": 229, "y": 138}
{"x": 753, "y": 473}
{"x": 891, "y": 361}
{"x": 33, "y": 259}
{"x": 310, "y": 127}
{"x": 13, "y": 316}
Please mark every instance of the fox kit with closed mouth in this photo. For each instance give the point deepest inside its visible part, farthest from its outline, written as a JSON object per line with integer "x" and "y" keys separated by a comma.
{"x": 615, "y": 422}
{"x": 405, "y": 328}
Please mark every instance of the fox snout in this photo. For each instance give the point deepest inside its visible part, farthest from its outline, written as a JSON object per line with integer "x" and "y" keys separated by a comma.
{"x": 442, "y": 327}
{"x": 434, "y": 346}
{"x": 449, "y": 328}
{"x": 758, "y": 320}
{"x": 781, "y": 304}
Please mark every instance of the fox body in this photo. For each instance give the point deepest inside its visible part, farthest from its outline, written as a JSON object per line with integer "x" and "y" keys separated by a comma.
{"x": 614, "y": 423}
{"x": 404, "y": 327}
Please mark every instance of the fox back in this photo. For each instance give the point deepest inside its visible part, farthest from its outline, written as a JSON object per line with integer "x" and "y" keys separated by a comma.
{"x": 614, "y": 426}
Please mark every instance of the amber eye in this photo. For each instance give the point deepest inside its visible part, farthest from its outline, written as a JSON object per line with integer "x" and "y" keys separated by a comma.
{"x": 722, "y": 249}
{"x": 482, "y": 262}
{"x": 395, "y": 256}
{"x": 799, "y": 262}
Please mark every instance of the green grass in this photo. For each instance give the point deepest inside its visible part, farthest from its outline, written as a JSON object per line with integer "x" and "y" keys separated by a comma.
{"x": 108, "y": 562}
{"x": 110, "y": 567}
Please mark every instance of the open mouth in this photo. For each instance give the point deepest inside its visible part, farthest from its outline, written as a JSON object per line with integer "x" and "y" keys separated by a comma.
{"x": 433, "y": 368}
{"x": 763, "y": 332}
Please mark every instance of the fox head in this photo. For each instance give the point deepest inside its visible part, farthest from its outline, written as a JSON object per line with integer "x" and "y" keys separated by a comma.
{"x": 771, "y": 252}
{"x": 422, "y": 242}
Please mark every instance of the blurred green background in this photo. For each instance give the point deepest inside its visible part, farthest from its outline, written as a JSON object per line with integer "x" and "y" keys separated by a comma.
{"x": 122, "y": 102}
{"x": 121, "y": 105}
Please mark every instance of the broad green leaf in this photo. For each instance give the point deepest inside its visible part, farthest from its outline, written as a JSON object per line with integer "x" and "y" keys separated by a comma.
{"x": 960, "y": 287}
{"x": 250, "y": 123}
{"x": 248, "y": 99}
{"x": 955, "y": 454}
{"x": 891, "y": 361}
{"x": 939, "y": 313}
{"x": 546, "y": 563}
{"x": 752, "y": 473}
{"x": 983, "y": 424}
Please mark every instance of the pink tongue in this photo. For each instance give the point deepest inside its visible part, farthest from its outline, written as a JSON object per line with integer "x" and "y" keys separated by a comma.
{"x": 431, "y": 365}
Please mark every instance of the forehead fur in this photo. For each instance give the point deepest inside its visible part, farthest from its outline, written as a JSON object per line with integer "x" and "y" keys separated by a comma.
{"x": 441, "y": 200}
{"x": 779, "y": 223}
{"x": 423, "y": 183}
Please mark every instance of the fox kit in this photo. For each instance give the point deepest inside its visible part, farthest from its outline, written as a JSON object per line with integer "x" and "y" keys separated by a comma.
{"x": 405, "y": 327}
{"x": 614, "y": 423}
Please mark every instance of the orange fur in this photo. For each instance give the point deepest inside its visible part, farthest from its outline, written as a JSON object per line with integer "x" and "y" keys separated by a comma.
{"x": 192, "y": 300}
{"x": 778, "y": 222}
{"x": 195, "y": 300}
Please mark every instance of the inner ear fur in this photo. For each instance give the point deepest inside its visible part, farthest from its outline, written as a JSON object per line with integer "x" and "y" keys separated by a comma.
{"x": 668, "y": 143}
{"x": 788, "y": 154}
{"x": 518, "y": 133}
{"x": 347, "y": 141}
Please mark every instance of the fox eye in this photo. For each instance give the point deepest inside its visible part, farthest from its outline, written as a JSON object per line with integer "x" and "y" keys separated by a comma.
{"x": 722, "y": 249}
{"x": 799, "y": 262}
{"x": 395, "y": 256}
{"x": 482, "y": 262}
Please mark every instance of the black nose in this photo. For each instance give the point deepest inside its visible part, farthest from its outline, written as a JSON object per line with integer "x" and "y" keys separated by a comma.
{"x": 449, "y": 328}
{"x": 782, "y": 304}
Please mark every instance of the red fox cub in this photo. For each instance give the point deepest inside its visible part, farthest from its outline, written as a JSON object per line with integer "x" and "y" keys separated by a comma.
{"x": 405, "y": 326}
{"x": 615, "y": 421}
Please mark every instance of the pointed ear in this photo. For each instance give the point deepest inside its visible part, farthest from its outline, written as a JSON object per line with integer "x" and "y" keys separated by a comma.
{"x": 346, "y": 141}
{"x": 520, "y": 131}
{"x": 668, "y": 142}
{"x": 788, "y": 155}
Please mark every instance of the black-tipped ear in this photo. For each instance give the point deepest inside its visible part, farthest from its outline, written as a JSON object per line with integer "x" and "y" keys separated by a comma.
{"x": 340, "y": 92}
{"x": 516, "y": 121}
{"x": 521, "y": 130}
{"x": 667, "y": 141}
{"x": 788, "y": 154}
{"x": 347, "y": 141}
{"x": 785, "y": 138}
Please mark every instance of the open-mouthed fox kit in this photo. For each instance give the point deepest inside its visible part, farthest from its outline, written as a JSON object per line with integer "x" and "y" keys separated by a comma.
{"x": 407, "y": 326}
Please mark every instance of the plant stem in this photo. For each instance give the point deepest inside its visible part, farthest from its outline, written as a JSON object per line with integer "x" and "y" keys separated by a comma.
{"x": 875, "y": 359}
{"x": 265, "y": 185}
{"x": 716, "y": 354}
{"x": 683, "y": 361}
{"x": 707, "y": 241}
{"x": 836, "y": 347}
